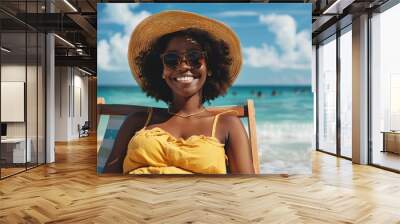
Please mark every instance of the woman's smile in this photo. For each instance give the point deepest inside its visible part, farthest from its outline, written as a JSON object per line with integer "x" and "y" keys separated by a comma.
{"x": 185, "y": 78}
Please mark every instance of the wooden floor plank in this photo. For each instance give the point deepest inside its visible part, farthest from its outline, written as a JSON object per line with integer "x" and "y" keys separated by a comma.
{"x": 70, "y": 191}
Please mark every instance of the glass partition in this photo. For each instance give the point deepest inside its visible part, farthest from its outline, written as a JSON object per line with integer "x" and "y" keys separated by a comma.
{"x": 22, "y": 88}
{"x": 13, "y": 108}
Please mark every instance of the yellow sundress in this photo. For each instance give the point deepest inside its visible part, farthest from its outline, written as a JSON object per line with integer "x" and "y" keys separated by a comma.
{"x": 155, "y": 151}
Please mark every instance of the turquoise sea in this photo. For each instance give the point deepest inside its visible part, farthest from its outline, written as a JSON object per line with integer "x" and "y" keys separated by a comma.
{"x": 284, "y": 116}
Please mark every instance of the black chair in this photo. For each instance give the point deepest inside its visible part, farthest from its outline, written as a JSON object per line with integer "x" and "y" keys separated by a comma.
{"x": 84, "y": 130}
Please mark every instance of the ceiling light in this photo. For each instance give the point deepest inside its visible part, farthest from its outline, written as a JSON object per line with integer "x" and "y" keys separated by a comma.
{"x": 5, "y": 50}
{"x": 70, "y": 5}
{"x": 84, "y": 71}
{"x": 337, "y": 7}
{"x": 79, "y": 51}
{"x": 64, "y": 40}
{"x": 332, "y": 7}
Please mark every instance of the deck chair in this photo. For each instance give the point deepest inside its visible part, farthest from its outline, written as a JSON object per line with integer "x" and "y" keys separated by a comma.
{"x": 117, "y": 114}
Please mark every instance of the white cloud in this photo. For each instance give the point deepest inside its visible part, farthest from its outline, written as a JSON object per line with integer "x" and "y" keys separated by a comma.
{"x": 112, "y": 52}
{"x": 237, "y": 13}
{"x": 292, "y": 49}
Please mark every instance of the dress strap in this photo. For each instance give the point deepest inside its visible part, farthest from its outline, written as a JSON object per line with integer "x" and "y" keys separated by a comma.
{"x": 216, "y": 120}
{"x": 150, "y": 111}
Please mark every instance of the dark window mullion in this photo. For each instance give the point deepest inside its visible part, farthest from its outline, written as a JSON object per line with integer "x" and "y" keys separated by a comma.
{"x": 369, "y": 90}
{"x": 37, "y": 90}
{"x": 26, "y": 86}
{"x": 338, "y": 78}
{"x": 45, "y": 88}
{"x": 317, "y": 96}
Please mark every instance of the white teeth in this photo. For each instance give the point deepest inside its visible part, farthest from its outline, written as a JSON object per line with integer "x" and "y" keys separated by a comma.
{"x": 185, "y": 79}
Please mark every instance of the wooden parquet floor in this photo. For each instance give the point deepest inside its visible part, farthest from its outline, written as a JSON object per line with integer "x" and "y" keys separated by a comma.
{"x": 70, "y": 191}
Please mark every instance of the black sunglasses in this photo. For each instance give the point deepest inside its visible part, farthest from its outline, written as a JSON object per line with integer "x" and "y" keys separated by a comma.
{"x": 193, "y": 58}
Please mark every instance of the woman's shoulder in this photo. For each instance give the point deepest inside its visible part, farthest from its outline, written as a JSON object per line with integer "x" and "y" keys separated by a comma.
{"x": 138, "y": 118}
{"x": 141, "y": 117}
{"x": 137, "y": 115}
{"x": 229, "y": 120}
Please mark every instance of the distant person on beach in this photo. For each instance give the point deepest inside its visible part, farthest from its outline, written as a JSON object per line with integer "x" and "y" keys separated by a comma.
{"x": 185, "y": 60}
{"x": 273, "y": 93}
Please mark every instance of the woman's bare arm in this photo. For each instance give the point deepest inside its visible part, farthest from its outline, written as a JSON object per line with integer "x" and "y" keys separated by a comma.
{"x": 237, "y": 145}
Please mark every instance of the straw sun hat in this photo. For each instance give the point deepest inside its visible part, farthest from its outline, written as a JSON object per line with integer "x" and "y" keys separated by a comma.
{"x": 157, "y": 25}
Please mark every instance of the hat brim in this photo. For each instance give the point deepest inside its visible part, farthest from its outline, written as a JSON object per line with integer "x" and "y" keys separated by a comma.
{"x": 158, "y": 25}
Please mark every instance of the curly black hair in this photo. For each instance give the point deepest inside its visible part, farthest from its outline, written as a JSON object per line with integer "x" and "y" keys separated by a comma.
{"x": 218, "y": 63}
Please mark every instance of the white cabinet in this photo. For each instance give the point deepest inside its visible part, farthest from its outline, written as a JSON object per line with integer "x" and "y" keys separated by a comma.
{"x": 17, "y": 146}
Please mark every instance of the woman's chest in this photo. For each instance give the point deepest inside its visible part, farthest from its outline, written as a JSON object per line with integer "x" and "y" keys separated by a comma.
{"x": 181, "y": 128}
{"x": 159, "y": 145}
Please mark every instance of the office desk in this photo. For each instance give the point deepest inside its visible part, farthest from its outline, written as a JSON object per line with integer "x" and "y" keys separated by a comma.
{"x": 13, "y": 150}
{"x": 391, "y": 141}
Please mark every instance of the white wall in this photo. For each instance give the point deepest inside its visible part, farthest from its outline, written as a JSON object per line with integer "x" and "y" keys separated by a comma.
{"x": 62, "y": 80}
{"x": 79, "y": 112}
{"x": 71, "y": 93}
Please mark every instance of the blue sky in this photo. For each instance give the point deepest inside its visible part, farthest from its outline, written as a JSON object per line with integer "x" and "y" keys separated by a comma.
{"x": 275, "y": 39}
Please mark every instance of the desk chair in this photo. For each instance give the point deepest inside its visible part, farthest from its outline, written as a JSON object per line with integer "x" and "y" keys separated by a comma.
{"x": 84, "y": 130}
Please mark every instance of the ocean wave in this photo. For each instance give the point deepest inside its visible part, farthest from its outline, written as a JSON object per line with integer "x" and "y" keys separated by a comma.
{"x": 285, "y": 147}
{"x": 285, "y": 131}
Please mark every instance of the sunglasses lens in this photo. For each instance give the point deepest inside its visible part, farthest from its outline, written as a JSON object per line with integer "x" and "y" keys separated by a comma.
{"x": 171, "y": 60}
{"x": 194, "y": 58}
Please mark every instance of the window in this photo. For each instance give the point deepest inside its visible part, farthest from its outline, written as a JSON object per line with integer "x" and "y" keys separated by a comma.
{"x": 385, "y": 88}
{"x": 346, "y": 92}
{"x": 327, "y": 95}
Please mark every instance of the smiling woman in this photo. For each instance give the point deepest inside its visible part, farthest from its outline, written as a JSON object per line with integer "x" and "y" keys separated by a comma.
{"x": 183, "y": 59}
